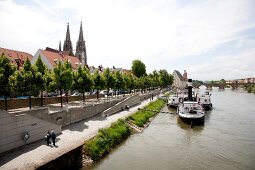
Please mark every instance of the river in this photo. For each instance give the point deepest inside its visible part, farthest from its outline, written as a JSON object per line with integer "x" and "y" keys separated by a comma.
{"x": 226, "y": 141}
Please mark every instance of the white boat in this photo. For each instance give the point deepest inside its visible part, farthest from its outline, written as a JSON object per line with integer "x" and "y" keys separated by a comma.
{"x": 205, "y": 100}
{"x": 173, "y": 101}
{"x": 191, "y": 111}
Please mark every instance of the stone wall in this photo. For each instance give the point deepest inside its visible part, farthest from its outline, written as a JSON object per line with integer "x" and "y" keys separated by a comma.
{"x": 13, "y": 128}
{"x": 69, "y": 114}
{"x": 70, "y": 160}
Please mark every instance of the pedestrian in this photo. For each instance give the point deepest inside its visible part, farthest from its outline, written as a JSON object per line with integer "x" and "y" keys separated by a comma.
{"x": 48, "y": 136}
{"x": 53, "y": 137}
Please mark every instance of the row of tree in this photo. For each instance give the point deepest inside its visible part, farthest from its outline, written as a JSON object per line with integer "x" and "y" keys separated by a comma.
{"x": 32, "y": 80}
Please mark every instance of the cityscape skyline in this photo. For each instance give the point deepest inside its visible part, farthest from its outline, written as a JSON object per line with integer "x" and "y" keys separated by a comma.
{"x": 211, "y": 40}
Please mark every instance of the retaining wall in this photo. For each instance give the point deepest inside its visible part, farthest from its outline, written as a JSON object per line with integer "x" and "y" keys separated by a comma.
{"x": 15, "y": 103}
{"x": 70, "y": 160}
{"x": 13, "y": 128}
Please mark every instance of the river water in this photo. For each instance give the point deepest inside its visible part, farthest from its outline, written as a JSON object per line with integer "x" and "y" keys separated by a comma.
{"x": 226, "y": 141}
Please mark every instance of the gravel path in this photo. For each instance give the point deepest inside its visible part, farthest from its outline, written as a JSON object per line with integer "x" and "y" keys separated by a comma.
{"x": 36, "y": 154}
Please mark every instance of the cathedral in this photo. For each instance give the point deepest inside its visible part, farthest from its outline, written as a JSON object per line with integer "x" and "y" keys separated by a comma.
{"x": 80, "y": 51}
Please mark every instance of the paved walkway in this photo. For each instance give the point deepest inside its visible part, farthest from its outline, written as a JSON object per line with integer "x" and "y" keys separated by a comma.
{"x": 38, "y": 153}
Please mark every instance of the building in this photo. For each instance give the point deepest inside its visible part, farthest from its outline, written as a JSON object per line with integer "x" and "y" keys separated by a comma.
{"x": 80, "y": 53}
{"x": 17, "y": 57}
{"x": 179, "y": 80}
{"x": 50, "y": 57}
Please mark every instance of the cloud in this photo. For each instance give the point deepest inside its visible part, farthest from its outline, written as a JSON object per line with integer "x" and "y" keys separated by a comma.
{"x": 163, "y": 34}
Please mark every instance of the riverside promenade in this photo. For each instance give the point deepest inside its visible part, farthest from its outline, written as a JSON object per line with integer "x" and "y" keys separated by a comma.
{"x": 38, "y": 153}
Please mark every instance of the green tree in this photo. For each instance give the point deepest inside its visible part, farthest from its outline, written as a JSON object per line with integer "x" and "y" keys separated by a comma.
{"x": 41, "y": 71}
{"x": 120, "y": 82}
{"x": 109, "y": 79}
{"x": 99, "y": 82}
{"x": 129, "y": 79}
{"x": 6, "y": 70}
{"x": 63, "y": 78}
{"x": 165, "y": 78}
{"x": 138, "y": 68}
{"x": 26, "y": 81}
{"x": 82, "y": 81}
{"x": 156, "y": 78}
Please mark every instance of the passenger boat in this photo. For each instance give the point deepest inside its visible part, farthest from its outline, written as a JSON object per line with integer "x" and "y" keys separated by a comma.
{"x": 190, "y": 111}
{"x": 173, "y": 101}
{"x": 205, "y": 100}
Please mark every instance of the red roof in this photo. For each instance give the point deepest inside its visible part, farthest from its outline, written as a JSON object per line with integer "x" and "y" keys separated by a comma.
{"x": 16, "y": 56}
{"x": 55, "y": 57}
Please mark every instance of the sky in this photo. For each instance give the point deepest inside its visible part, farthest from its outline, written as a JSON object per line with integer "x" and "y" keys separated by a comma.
{"x": 211, "y": 39}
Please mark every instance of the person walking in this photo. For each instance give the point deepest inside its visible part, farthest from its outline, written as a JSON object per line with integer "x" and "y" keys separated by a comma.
{"x": 53, "y": 137}
{"x": 48, "y": 136}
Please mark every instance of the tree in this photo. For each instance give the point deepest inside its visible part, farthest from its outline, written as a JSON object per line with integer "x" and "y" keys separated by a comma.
{"x": 129, "y": 81}
{"x": 40, "y": 76}
{"x": 82, "y": 81}
{"x": 99, "y": 82}
{"x": 138, "y": 68}
{"x": 63, "y": 78}
{"x": 6, "y": 70}
{"x": 109, "y": 79}
{"x": 120, "y": 82}
{"x": 164, "y": 78}
{"x": 27, "y": 81}
{"x": 156, "y": 82}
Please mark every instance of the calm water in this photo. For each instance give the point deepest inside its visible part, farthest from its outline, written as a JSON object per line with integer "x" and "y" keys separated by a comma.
{"x": 226, "y": 141}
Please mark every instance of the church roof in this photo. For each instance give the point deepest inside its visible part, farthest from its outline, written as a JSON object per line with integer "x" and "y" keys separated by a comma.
{"x": 16, "y": 56}
{"x": 55, "y": 57}
{"x": 179, "y": 75}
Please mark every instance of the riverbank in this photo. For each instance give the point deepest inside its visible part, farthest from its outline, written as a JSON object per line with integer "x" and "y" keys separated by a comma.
{"x": 37, "y": 154}
{"x": 108, "y": 138}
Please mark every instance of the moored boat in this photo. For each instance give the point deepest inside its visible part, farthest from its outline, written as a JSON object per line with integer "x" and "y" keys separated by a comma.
{"x": 205, "y": 100}
{"x": 191, "y": 111}
{"x": 173, "y": 101}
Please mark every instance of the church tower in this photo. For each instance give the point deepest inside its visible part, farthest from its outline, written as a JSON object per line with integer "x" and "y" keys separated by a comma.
{"x": 81, "y": 48}
{"x": 68, "y": 49}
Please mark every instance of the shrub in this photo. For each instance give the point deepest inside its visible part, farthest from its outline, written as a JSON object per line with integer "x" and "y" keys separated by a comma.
{"x": 106, "y": 139}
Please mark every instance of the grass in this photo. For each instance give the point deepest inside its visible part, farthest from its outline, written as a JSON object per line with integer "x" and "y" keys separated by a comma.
{"x": 141, "y": 117}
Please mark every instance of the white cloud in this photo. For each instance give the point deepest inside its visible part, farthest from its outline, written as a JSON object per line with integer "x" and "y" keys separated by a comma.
{"x": 229, "y": 67}
{"x": 160, "y": 33}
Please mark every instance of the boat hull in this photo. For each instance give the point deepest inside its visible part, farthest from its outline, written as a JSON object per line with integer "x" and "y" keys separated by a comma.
{"x": 207, "y": 107}
{"x": 174, "y": 106}
{"x": 193, "y": 121}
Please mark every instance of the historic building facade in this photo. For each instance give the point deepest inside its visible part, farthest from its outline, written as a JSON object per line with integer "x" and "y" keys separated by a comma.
{"x": 180, "y": 81}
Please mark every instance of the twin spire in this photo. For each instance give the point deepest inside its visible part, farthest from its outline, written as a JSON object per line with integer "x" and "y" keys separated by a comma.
{"x": 80, "y": 46}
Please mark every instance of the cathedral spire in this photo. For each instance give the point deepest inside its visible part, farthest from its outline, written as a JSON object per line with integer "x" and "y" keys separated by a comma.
{"x": 59, "y": 47}
{"x": 67, "y": 48}
{"x": 81, "y": 48}
{"x": 81, "y": 33}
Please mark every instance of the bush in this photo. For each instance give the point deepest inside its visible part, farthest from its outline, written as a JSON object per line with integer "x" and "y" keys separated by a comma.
{"x": 106, "y": 139}
{"x": 141, "y": 117}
